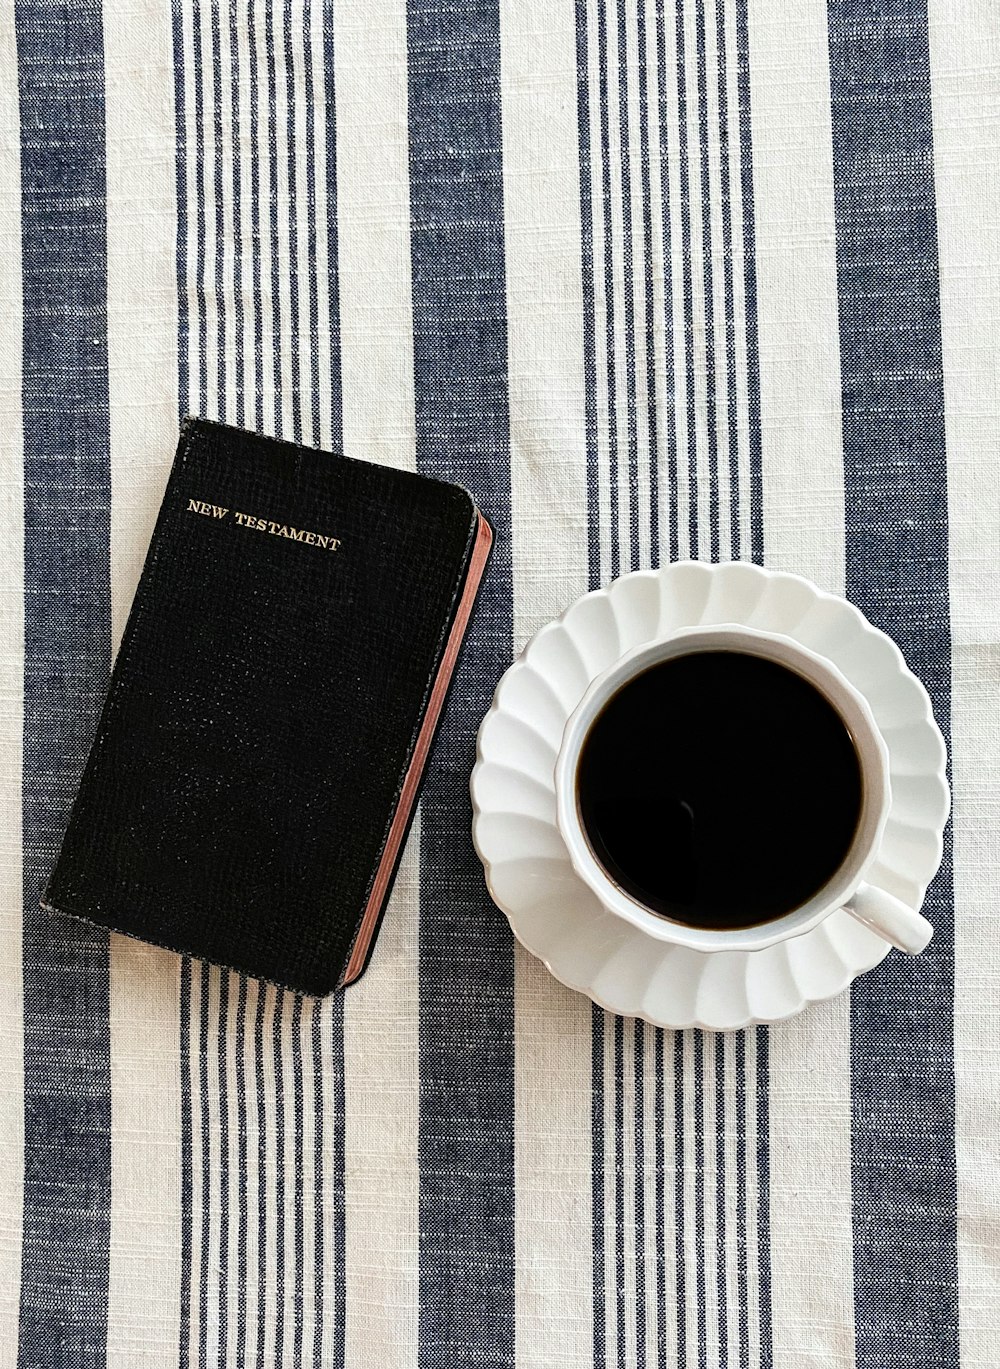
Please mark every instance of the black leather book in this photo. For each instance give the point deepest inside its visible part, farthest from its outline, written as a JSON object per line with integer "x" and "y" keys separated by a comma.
{"x": 272, "y": 707}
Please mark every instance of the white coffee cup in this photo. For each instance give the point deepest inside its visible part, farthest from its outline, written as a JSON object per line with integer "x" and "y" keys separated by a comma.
{"x": 891, "y": 919}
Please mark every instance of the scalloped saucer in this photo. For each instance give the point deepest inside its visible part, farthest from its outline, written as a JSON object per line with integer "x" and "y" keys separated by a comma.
{"x": 559, "y": 919}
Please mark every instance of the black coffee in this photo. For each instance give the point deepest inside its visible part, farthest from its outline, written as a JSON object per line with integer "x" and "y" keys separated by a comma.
{"x": 719, "y": 789}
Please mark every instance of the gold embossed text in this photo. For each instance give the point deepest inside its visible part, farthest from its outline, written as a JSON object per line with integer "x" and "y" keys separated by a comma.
{"x": 249, "y": 520}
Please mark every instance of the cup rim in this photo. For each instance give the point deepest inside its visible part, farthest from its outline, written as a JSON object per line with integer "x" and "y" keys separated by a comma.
{"x": 853, "y": 709}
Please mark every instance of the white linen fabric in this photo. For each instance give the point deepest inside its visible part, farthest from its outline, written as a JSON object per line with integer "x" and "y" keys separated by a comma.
{"x": 708, "y": 278}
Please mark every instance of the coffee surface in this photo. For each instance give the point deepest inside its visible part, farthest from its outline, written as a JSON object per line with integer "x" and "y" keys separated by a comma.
{"x": 719, "y": 789}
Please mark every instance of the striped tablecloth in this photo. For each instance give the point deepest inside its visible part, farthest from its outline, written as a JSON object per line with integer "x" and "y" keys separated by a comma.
{"x": 712, "y": 278}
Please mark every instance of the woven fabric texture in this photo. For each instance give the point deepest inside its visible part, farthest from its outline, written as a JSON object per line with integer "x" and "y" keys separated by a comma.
{"x": 707, "y": 278}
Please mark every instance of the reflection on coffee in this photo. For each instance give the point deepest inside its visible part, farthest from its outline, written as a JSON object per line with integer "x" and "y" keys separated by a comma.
{"x": 719, "y": 789}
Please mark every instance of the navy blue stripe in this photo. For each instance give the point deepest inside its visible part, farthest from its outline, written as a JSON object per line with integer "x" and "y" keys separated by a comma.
{"x": 609, "y": 286}
{"x": 311, "y": 220}
{"x": 631, "y": 562}
{"x": 763, "y": 1157}
{"x": 679, "y": 1225}
{"x": 333, "y": 266}
{"x": 67, "y": 653}
{"x": 617, "y": 1025}
{"x": 685, "y": 206}
{"x": 707, "y": 280}
{"x": 756, "y": 549}
{"x": 628, "y": 287}
{"x": 655, "y": 557}
{"x": 661, "y": 1199}
{"x": 242, "y": 1160}
{"x": 221, "y": 1040}
{"x": 215, "y": 94}
{"x": 462, "y": 425}
{"x": 699, "y": 1194}
{"x": 466, "y": 1134}
{"x": 649, "y": 267}
{"x": 187, "y": 1175}
{"x": 597, "y": 1021}
{"x": 587, "y": 271}
{"x": 339, "y": 1213}
{"x": 256, "y": 220}
{"x": 741, "y": 1198}
{"x": 639, "y": 1071}
{"x": 206, "y": 104}
{"x": 270, "y": 224}
{"x": 895, "y": 477}
{"x": 184, "y": 1346}
{"x": 732, "y": 410}
{"x": 721, "y": 1246}
{"x": 201, "y": 397}
{"x": 206, "y": 1165}
{"x": 183, "y": 314}
{"x": 279, "y": 1176}
{"x": 239, "y": 375}
{"x": 298, "y": 1239}
{"x": 680, "y": 1253}
{"x": 206, "y": 1157}
{"x": 337, "y": 1083}
{"x": 294, "y": 265}
{"x": 673, "y": 550}
{"x": 263, "y": 1169}
{"x": 466, "y": 1032}
{"x": 316, "y": 1036}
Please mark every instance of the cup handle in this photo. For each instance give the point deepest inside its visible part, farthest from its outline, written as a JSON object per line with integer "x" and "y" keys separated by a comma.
{"x": 891, "y": 919}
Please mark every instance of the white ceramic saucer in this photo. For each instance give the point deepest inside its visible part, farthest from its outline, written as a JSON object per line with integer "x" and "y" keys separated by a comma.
{"x": 560, "y": 920}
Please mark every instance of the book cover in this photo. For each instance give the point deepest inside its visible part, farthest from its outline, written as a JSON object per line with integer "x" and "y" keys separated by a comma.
{"x": 272, "y": 707}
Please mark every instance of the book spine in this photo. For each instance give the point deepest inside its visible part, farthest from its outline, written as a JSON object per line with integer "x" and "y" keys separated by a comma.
{"x": 400, "y": 824}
